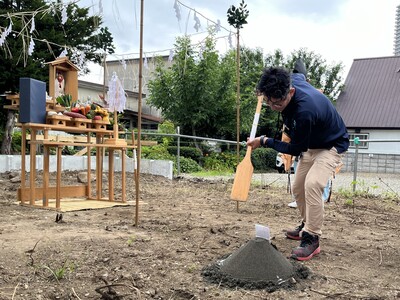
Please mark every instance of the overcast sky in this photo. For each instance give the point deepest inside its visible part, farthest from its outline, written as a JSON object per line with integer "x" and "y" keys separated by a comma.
{"x": 338, "y": 30}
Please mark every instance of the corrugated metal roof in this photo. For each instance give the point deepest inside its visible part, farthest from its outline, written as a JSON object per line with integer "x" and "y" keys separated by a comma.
{"x": 371, "y": 98}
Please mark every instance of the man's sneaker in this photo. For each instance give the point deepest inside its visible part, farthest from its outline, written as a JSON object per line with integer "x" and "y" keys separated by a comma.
{"x": 295, "y": 233}
{"x": 293, "y": 204}
{"x": 309, "y": 247}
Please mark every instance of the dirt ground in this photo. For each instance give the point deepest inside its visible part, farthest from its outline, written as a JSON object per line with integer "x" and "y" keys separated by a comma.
{"x": 184, "y": 226}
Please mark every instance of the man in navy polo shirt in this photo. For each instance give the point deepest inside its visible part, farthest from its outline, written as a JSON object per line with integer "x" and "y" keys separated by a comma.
{"x": 318, "y": 136}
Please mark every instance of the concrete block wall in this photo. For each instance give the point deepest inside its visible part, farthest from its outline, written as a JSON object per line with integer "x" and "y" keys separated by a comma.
{"x": 372, "y": 163}
{"x": 78, "y": 163}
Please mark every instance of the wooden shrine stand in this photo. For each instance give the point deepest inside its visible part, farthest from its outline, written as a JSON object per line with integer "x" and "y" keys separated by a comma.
{"x": 63, "y": 79}
{"x": 36, "y": 196}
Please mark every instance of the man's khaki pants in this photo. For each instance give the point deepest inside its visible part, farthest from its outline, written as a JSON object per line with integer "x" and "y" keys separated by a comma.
{"x": 313, "y": 171}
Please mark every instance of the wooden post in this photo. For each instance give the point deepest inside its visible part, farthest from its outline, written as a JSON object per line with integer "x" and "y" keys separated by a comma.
{"x": 23, "y": 159}
{"x": 110, "y": 174}
{"x": 46, "y": 167}
{"x": 89, "y": 169}
{"x": 115, "y": 140}
{"x": 115, "y": 126}
{"x": 123, "y": 188}
{"x": 99, "y": 164}
{"x": 32, "y": 171}
{"x": 58, "y": 181}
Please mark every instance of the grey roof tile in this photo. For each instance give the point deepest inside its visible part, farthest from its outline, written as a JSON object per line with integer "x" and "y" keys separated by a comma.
{"x": 371, "y": 98}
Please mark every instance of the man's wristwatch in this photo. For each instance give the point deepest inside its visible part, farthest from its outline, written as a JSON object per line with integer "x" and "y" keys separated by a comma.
{"x": 262, "y": 138}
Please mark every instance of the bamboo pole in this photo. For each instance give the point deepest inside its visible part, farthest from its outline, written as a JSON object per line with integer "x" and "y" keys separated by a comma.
{"x": 237, "y": 103}
{"x": 139, "y": 112}
{"x": 104, "y": 76}
{"x": 237, "y": 96}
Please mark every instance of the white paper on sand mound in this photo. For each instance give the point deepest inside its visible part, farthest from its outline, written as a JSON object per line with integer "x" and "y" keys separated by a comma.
{"x": 262, "y": 232}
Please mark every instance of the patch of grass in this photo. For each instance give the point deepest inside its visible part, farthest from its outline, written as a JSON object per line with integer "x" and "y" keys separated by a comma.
{"x": 60, "y": 272}
{"x": 131, "y": 240}
{"x": 363, "y": 190}
{"x": 192, "y": 268}
{"x": 211, "y": 173}
{"x": 348, "y": 202}
{"x": 392, "y": 196}
{"x": 345, "y": 193}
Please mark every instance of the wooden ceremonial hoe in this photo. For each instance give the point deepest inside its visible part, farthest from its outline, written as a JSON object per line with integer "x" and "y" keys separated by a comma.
{"x": 244, "y": 171}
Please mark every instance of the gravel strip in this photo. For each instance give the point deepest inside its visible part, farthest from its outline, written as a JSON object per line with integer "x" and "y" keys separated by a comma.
{"x": 373, "y": 183}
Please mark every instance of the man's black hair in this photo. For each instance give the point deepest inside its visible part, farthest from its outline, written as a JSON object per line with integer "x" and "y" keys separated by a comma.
{"x": 274, "y": 83}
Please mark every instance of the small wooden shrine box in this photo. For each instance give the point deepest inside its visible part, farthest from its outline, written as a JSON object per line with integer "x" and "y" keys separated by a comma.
{"x": 63, "y": 78}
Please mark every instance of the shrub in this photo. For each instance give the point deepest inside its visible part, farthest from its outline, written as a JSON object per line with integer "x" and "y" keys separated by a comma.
{"x": 187, "y": 165}
{"x": 189, "y": 152}
{"x": 129, "y": 153}
{"x": 167, "y": 127}
{"x": 224, "y": 161}
{"x": 263, "y": 159}
{"x": 212, "y": 163}
{"x": 16, "y": 142}
{"x": 206, "y": 148}
{"x": 156, "y": 152}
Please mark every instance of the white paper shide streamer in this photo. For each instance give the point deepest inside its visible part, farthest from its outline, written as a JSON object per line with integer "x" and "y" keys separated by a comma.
{"x": 123, "y": 63}
{"x": 230, "y": 40}
{"x": 5, "y": 33}
{"x": 171, "y": 55}
{"x": 64, "y": 16}
{"x": 197, "y": 24}
{"x": 31, "y": 47}
{"x": 218, "y": 26}
{"x": 32, "y": 25}
{"x": 63, "y": 53}
{"x": 177, "y": 10}
{"x": 116, "y": 95}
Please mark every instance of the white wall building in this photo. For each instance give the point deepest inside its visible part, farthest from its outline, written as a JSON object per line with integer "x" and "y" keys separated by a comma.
{"x": 93, "y": 92}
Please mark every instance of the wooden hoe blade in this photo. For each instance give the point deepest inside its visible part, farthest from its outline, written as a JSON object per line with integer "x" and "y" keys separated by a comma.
{"x": 244, "y": 171}
{"x": 242, "y": 181}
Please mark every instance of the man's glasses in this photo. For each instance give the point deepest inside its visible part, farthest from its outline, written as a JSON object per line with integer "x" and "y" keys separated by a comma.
{"x": 269, "y": 100}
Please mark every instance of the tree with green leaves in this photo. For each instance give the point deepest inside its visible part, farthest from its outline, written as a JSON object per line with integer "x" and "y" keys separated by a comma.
{"x": 197, "y": 91}
{"x": 237, "y": 16}
{"x": 53, "y": 27}
{"x": 320, "y": 74}
{"x": 251, "y": 67}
